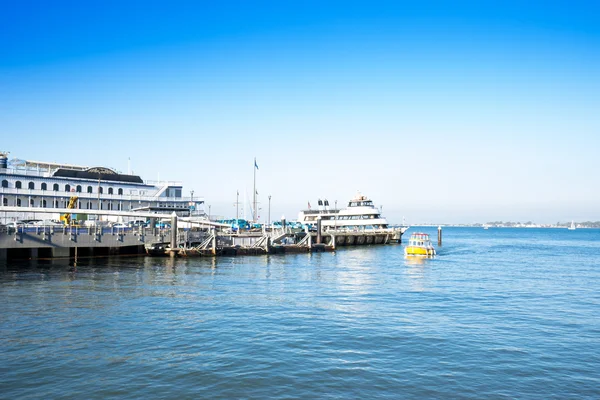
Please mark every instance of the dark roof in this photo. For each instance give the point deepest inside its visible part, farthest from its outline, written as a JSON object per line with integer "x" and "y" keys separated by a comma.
{"x": 96, "y": 173}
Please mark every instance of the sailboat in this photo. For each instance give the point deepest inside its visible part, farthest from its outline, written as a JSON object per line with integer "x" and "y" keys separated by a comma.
{"x": 572, "y": 227}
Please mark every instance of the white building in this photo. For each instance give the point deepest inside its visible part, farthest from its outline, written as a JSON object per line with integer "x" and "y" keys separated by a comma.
{"x": 51, "y": 185}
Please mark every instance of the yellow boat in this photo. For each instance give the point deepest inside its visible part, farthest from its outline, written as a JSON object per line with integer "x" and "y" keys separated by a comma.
{"x": 419, "y": 245}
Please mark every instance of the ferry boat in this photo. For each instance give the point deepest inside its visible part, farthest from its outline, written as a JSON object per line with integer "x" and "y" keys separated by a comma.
{"x": 30, "y": 184}
{"x": 419, "y": 245}
{"x": 360, "y": 215}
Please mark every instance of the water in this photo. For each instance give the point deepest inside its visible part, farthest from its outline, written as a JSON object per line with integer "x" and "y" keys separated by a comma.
{"x": 500, "y": 313}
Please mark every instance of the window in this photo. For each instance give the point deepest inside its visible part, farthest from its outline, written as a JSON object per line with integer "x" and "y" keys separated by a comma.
{"x": 55, "y": 187}
{"x": 78, "y": 189}
{"x": 31, "y": 203}
{"x": 67, "y": 188}
{"x": 18, "y": 184}
{"x": 120, "y": 191}
{"x": 43, "y": 204}
{"x": 4, "y": 183}
{"x": 89, "y": 189}
{"x": 100, "y": 189}
{"x": 5, "y": 201}
{"x": 18, "y": 202}
{"x": 110, "y": 190}
{"x": 44, "y": 186}
{"x": 31, "y": 185}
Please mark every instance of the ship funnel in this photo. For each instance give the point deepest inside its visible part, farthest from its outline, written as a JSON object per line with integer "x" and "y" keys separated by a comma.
{"x": 320, "y": 203}
{"x": 326, "y": 204}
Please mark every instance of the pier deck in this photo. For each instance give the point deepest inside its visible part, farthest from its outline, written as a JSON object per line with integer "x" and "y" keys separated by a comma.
{"x": 206, "y": 239}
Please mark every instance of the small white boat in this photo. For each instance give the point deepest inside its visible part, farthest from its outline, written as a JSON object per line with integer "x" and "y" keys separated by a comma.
{"x": 572, "y": 227}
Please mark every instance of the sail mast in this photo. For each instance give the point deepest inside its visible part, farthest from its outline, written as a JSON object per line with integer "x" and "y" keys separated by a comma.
{"x": 254, "y": 192}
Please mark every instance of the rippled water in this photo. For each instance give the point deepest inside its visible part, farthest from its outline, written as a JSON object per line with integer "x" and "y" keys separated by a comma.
{"x": 501, "y": 313}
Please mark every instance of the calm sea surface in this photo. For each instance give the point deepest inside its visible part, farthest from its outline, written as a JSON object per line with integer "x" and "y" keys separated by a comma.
{"x": 500, "y": 313}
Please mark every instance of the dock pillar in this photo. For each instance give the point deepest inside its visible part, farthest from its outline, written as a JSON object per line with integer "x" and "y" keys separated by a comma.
{"x": 214, "y": 242}
{"x": 333, "y": 241}
{"x": 3, "y": 255}
{"x": 173, "y": 231}
{"x": 439, "y": 235}
{"x": 319, "y": 230}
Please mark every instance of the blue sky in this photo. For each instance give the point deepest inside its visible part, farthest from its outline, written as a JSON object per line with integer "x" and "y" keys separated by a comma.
{"x": 439, "y": 111}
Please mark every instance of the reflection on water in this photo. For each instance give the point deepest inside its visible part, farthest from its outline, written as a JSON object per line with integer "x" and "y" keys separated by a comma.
{"x": 512, "y": 314}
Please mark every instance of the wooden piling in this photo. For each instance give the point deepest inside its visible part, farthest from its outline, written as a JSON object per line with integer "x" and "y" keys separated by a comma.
{"x": 319, "y": 230}
{"x": 173, "y": 231}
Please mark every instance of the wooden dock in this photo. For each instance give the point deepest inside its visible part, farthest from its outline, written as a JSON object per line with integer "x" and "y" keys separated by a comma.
{"x": 204, "y": 239}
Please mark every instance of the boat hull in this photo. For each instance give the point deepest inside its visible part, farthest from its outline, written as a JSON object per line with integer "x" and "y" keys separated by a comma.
{"x": 417, "y": 251}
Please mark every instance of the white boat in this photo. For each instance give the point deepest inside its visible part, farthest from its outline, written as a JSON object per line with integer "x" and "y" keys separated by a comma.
{"x": 572, "y": 227}
{"x": 485, "y": 226}
{"x": 359, "y": 215}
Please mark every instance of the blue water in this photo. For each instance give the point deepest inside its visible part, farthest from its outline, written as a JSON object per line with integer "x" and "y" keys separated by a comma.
{"x": 500, "y": 313}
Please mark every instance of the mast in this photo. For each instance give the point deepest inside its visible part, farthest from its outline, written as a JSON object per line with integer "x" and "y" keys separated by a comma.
{"x": 245, "y": 203}
{"x": 254, "y": 193}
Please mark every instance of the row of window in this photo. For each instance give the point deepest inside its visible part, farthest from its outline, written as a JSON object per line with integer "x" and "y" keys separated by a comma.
{"x": 56, "y": 188}
{"x": 345, "y": 217}
{"x": 63, "y": 204}
{"x": 369, "y": 216}
{"x": 360, "y": 203}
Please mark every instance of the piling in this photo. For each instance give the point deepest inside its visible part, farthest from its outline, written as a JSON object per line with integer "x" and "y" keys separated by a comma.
{"x": 439, "y": 235}
{"x": 319, "y": 230}
{"x": 173, "y": 231}
{"x": 214, "y": 242}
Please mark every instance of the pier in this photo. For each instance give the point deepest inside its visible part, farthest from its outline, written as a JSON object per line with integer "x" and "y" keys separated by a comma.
{"x": 198, "y": 238}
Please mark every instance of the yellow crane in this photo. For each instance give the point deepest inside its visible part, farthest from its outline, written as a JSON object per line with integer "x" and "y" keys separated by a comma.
{"x": 66, "y": 218}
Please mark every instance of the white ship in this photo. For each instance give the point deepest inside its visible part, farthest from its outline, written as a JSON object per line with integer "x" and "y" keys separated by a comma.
{"x": 32, "y": 184}
{"x": 360, "y": 215}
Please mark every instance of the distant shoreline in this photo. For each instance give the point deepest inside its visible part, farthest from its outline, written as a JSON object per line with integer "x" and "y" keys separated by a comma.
{"x": 515, "y": 225}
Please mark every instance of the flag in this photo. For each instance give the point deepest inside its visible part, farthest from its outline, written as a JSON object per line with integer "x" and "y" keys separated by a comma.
{"x": 255, "y": 164}
{"x": 309, "y": 205}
